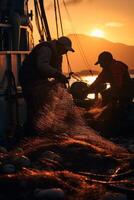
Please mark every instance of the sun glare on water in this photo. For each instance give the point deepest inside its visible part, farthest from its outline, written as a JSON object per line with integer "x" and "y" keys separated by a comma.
{"x": 97, "y": 33}
{"x": 89, "y": 80}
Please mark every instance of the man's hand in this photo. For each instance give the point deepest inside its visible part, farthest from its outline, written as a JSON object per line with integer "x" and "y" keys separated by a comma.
{"x": 61, "y": 78}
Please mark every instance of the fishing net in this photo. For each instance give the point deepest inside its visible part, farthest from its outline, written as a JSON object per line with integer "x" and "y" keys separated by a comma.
{"x": 66, "y": 154}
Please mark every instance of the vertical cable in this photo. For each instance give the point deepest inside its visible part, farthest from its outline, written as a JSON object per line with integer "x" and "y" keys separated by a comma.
{"x": 78, "y": 42}
{"x": 56, "y": 18}
{"x": 61, "y": 24}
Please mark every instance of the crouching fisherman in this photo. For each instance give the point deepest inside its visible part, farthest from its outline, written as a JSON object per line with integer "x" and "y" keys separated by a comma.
{"x": 44, "y": 62}
{"x": 116, "y": 74}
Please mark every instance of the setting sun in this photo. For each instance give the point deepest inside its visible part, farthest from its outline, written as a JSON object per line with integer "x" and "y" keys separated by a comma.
{"x": 97, "y": 33}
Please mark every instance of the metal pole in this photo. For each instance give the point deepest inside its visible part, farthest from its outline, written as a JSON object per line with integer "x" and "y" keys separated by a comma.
{"x": 48, "y": 35}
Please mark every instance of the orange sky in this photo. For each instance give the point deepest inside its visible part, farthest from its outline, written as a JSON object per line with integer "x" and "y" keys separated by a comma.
{"x": 113, "y": 19}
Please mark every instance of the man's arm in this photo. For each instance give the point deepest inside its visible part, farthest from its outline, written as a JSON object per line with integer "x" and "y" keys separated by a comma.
{"x": 43, "y": 64}
{"x": 95, "y": 86}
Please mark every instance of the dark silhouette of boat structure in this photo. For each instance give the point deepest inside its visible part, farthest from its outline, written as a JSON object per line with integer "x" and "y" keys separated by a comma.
{"x": 11, "y": 101}
{"x": 16, "y": 41}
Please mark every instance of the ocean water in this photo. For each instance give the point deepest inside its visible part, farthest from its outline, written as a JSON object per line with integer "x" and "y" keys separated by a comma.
{"x": 89, "y": 80}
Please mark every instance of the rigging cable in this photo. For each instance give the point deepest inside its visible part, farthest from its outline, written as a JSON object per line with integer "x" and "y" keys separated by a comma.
{"x": 61, "y": 24}
{"x": 62, "y": 33}
{"x": 44, "y": 18}
{"x": 70, "y": 72}
{"x": 41, "y": 20}
{"x": 56, "y": 18}
{"x": 37, "y": 15}
{"x": 77, "y": 39}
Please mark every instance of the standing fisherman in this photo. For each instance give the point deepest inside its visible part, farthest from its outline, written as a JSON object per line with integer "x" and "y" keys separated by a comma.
{"x": 44, "y": 62}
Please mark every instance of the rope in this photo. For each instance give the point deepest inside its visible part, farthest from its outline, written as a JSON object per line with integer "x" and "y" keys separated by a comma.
{"x": 62, "y": 31}
{"x": 78, "y": 42}
{"x": 40, "y": 18}
{"x": 37, "y": 14}
{"x": 56, "y": 18}
{"x": 44, "y": 19}
{"x": 70, "y": 72}
{"x": 42, "y": 24}
{"x": 68, "y": 63}
{"x": 61, "y": 24}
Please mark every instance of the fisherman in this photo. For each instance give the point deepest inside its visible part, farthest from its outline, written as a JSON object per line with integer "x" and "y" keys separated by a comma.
{"x": 116, "y": 74}
{"x": 44, "y": 62}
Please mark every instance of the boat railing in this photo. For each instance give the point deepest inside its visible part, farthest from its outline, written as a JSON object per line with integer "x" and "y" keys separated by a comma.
{"x": 7, "y": 39}
{"x": 12, "y": 105}
{"x": 11, "y": 60}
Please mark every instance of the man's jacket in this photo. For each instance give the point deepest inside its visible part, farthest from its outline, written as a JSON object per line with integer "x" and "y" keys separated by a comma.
{"x": 116, "y": 74}
{"x": 42, "y": 63}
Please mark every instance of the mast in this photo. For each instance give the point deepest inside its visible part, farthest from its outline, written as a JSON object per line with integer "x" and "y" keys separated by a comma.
{"x": 44, "y": 17}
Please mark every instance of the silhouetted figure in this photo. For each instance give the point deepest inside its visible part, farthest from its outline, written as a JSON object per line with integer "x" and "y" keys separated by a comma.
{"x": 44, "y": 62}
{"x": 116, "y": 73}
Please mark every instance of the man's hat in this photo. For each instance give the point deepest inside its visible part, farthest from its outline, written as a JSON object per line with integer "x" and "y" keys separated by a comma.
{"x": 105, "y": 55}
{"x": 66, "y": 42}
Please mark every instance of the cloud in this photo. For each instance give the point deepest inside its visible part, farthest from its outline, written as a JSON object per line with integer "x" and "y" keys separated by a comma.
{"x": 72, "y": 1}
{"x": 76, "y": 1}
{"x": 114, "y": 24}
{"x": 67, "y": 2}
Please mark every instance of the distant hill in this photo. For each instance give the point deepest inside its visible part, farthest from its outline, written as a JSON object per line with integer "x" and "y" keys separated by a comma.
{"x": 88, "y": 48}
{"x": 87, "y": 72}
{"x": 93, "y": 72}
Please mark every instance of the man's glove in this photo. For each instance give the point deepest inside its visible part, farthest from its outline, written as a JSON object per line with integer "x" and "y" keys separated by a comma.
{"x": 61, "y": 78}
